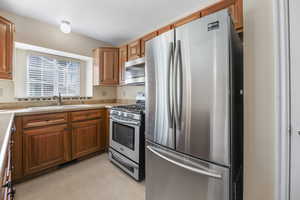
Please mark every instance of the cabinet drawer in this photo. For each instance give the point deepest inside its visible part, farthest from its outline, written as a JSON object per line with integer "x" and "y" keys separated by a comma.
{"x": 44, "y": 120}
{"x": 87, "y": 114}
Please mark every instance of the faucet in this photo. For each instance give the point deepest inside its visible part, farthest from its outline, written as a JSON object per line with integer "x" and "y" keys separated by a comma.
{"x": 58, "y": 98}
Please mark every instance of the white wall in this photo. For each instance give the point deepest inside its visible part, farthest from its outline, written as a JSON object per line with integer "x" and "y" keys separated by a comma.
{"x": 34, "y": 32}
{"x": 260, "y": 138}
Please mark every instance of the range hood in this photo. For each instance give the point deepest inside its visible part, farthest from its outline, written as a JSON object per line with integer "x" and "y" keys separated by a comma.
{"x": 135, "y": 72}
{"x": 138, "y": 61}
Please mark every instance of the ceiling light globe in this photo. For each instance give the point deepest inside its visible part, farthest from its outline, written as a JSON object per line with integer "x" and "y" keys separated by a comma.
{"x": 65, "y": 27}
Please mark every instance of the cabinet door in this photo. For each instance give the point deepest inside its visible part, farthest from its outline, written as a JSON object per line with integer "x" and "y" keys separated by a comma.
{"x": 87, "y": 137}
{"x": 134, "y": 50}
{"x": 45, "y": 147}
{"x": 145, "y": 39}
{"x": 6, "y": 48}
{"x": 105, "y": 66}
{"x": 96, "y": 66}
{"x": 122, "y": 59}
{"x": 109, "y": 66}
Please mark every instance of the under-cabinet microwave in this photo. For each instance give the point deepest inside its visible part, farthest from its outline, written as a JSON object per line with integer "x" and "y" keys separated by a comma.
{"x": 135, "y": 72}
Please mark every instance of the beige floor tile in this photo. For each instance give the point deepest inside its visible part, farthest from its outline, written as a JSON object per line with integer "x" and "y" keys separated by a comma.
{"x": 92, "y": 179}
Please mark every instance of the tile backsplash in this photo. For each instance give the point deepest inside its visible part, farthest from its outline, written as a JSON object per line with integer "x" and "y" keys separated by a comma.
{"x": 129, "y": 92}
{"x": 99, "y": 92}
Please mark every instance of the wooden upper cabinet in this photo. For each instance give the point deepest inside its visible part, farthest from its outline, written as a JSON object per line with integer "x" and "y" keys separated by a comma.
{"x": 187, "y": 19}
{"x": 236, "y": 11}
{"x": 123, "y": 57}
{"x": 145, "y": 39}
{"x": 105, "y": 66}
{"x": 219, "y": 5}
{"x": 6, "y": 48}
{"x": 134, "y": 50}
{"x": 45, "y": 147}
{"x": 165, "y": 29}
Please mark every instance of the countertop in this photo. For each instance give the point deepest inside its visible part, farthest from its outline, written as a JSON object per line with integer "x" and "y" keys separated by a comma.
{"x": 6, "y": 123}
{"x": 7, "y": 118}
{"x": 55, "y": 109}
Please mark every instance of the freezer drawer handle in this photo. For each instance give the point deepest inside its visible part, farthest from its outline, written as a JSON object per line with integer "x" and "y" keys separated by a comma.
{"x": 190, "y": 168}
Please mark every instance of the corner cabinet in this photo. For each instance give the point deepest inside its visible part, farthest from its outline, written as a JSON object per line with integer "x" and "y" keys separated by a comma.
{"x": 105, "y": 66}
{"x": 6, "y": 48}
{"x": 123, "y": 57}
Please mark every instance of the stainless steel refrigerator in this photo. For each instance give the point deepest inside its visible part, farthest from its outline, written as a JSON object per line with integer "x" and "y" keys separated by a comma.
{"x": 194, "y": 112}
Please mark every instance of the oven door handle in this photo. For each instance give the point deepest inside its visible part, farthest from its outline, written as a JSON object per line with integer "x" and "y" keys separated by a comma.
{"x": 125, "y": 122}
{"x": 122, "y": 161}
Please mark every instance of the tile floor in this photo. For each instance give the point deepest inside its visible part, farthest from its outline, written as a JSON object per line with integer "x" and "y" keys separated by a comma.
{"x": 92, "y": 179}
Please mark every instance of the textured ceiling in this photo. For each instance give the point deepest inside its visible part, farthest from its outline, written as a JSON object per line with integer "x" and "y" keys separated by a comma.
{"x": 112, "y": 21}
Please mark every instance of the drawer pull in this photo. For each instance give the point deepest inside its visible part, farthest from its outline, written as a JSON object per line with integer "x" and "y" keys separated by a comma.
{"x": 13, "y": 130}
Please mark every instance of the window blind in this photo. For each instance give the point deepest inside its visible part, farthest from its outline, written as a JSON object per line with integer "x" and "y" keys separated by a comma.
{"x": 47, "y": 76}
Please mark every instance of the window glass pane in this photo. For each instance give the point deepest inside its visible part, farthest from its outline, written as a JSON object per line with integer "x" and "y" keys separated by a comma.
{"x": 48, "y": 76}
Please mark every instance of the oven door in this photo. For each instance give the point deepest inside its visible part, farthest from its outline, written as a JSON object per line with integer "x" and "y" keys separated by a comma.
{"x": 124, "y": 137}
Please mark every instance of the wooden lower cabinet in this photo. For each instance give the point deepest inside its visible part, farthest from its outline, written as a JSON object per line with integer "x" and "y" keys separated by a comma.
{"x": 45, "y": 147}
{"x": 87, "y": 137}
{"x": 41, "y": 147}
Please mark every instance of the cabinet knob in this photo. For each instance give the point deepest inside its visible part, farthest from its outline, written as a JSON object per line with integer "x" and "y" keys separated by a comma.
{"x": 8, "y": 184}
{"x": 13, "y": 129}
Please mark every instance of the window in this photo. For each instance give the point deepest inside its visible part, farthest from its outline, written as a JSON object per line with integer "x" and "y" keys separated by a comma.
{"x": 48, "y": 76}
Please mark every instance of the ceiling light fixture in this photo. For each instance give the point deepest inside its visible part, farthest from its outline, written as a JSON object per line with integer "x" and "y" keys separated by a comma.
{"x": 65, "y": 26}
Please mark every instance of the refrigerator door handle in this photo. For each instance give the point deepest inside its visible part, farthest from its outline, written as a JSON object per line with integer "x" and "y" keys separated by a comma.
{"x": 181, "y": 164}
{"x": 180, "y": 73}
{"x": 170, "y": 85}
{"x": 178, "y": 85}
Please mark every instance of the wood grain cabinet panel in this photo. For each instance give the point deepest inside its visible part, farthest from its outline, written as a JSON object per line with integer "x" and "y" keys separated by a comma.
{"x": 145, "y": 39}
{"x": 44, "y": 120}
{"x": 105, "y": 66}
{"x": 187, "y": 19}
{"x": 236, "y": 11}
{"x": 221, "y": 4}
{"x": 123, "y": 57}
{"x": 165, "y": 29}
{"x": 134, "y": 50}
{"x": 6, "y": 48}
{"x": 87, "y": 114}
{"x": 17, "y": 152}
{"x": 87, "y": 137}
{"x": 45, "y": 147}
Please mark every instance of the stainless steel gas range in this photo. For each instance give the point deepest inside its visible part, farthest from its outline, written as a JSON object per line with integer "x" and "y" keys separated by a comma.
{"x": 127, "y": 140}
